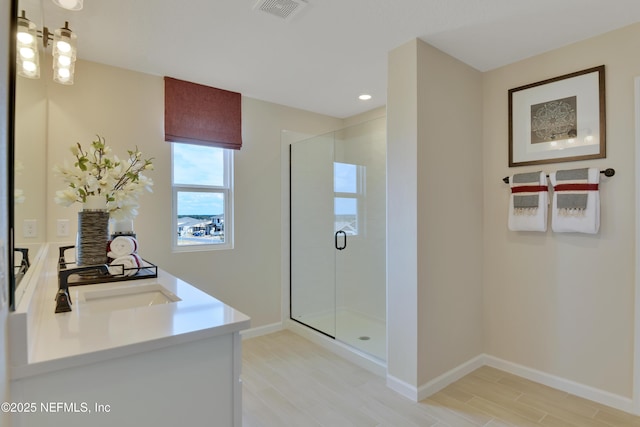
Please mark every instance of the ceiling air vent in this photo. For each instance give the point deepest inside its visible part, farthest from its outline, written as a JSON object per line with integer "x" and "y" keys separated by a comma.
{"x": 284, "y": 9}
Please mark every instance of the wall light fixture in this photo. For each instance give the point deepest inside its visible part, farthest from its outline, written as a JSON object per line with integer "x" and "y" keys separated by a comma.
{"x": 27, "y": 58}
{"x": 64, "y": 50}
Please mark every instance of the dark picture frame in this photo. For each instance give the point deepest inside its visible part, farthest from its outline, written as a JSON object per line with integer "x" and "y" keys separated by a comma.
{"x": 562, "y": 119}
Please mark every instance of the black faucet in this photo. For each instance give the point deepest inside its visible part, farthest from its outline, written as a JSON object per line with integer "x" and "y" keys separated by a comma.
{"x": 63, "y": 299}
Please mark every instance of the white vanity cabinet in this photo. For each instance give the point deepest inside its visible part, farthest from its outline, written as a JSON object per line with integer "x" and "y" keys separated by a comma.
{"x": 164, "y": 365}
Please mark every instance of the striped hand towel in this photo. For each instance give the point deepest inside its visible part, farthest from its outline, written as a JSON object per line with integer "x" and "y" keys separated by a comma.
{"x": 576, "y": 201}
{"x": 528, "y": 202}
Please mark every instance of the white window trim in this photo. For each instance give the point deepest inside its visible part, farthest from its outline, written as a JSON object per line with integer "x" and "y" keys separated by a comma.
{"x": 226, "y": 189}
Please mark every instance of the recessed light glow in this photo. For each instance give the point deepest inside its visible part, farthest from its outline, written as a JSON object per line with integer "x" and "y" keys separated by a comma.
{"x": 69, "y": 4}
{"x": 364, "y": 97}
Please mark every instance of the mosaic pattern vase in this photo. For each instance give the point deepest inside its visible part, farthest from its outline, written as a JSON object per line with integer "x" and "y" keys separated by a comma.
{"x": 93, "y": 233}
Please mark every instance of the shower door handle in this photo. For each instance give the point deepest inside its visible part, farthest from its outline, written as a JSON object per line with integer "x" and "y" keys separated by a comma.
{"x": 336, "y": 240}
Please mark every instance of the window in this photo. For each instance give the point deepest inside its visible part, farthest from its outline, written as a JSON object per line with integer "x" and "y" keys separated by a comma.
{"x": 348, "y": 183}
{"x": 202, "y": 197}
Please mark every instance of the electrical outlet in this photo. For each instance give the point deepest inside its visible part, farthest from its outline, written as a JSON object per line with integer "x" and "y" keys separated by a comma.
{"x": 63, "y": 228}
{"x": 29, "y": 228}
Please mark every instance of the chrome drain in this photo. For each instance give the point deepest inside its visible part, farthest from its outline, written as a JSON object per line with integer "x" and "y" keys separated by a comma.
{"x": 364, "y": 338}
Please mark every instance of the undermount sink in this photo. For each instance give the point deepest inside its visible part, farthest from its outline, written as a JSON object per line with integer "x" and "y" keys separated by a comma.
{"x": 121, "y": 298}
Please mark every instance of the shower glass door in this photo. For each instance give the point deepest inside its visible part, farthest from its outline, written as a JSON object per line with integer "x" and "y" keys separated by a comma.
{"x": 313, "y": 292}
{"x": 338, "y": 223}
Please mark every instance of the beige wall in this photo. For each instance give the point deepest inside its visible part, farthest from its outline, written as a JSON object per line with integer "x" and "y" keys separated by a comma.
{"x": 127, "y": 108}
{"x": 558, "y": 303}
{"x": 563, "y": 303}
{"x": 450, "y": 212}
{"x": 434, "y": 176}
{"x": 365, "y": 117}
{"x": 402, "y": 215}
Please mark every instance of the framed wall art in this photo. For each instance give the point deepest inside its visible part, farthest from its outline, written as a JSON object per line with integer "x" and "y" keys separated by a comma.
{"x": 558, "y": 120}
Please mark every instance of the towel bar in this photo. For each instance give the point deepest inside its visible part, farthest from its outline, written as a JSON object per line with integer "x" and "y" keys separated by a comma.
{"x": 606, "y": 172}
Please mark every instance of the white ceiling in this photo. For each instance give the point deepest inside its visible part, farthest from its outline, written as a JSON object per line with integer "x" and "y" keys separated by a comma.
{"x": 333, "y": 50}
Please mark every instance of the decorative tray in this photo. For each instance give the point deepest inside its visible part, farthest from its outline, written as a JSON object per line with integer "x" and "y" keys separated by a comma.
{"x": 147, "y": 271}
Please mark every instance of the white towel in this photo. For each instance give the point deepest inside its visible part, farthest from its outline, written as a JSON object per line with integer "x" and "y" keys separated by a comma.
{"x": 528, "y": 218}
{"x": 122, "y": 246}
{"x": 579, "y": 220}
{"x": 127, "y": 265}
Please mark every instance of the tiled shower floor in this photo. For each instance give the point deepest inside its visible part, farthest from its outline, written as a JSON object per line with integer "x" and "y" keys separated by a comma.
{"x": 358, "y": 331}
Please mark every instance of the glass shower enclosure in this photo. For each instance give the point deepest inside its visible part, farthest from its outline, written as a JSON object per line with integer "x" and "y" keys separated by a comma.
{"x": 338, "y": 226}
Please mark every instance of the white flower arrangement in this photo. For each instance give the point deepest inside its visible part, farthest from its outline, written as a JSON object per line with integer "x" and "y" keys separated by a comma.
{"x": 97, "y": 173}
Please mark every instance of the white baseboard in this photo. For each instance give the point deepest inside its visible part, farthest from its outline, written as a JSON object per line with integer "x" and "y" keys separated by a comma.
{"x": 425, "y": 390}
{"x": 437, "y": 384}
{"x": 405, "y": 389}
{"x": 261, "y": 330}
{"x": 600, "y": 396}
{"x": 603, "y": 397}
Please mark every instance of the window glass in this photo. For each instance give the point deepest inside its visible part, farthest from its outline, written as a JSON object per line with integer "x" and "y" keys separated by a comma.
{"x": 346, "y": 215}
{"x": 200, "y": 218}
{"x": 198, "y": 165}
{"x": 345, "y": 178}
{"x": 347, "y": 188}
{"x": 202, "y": 197}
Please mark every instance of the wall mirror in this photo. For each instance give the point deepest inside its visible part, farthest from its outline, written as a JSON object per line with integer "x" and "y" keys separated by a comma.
{"x": 29, "y": 157}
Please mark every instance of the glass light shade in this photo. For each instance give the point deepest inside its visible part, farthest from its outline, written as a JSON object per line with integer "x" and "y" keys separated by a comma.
{"x": 64, "y": 61}
{"x": 26, "y": 30}
{"x": 29, "y": 69}
{"x": 27, "y": 53}
{"x": 64, "y": 75}
{"x": 27, "y": 58}
{"x": 64, "y": 55}
{"x": 64, "y": 42}
{"x": 63, "y": 46}
{"x": 29, "y": 66}
{"x": 69, "y": 4}
{"x": 24, "y": 37}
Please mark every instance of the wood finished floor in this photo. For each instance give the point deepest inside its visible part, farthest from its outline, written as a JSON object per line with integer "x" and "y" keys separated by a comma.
{"x": 289, "y": 381}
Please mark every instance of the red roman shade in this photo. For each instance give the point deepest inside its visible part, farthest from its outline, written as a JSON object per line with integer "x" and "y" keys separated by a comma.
{"x": 201, "y": 114}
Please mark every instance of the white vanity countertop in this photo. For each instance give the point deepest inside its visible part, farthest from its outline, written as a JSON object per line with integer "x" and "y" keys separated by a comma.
{"x": 83, "y": 336}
